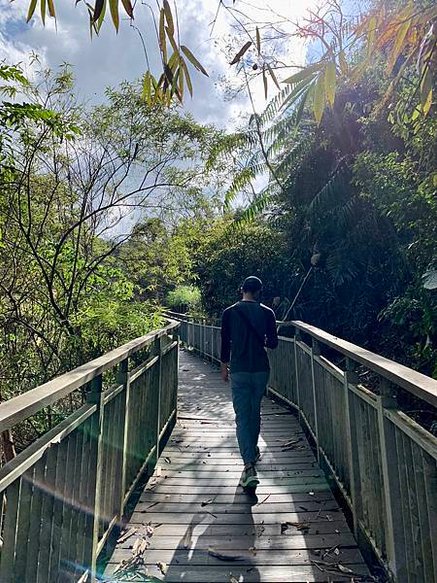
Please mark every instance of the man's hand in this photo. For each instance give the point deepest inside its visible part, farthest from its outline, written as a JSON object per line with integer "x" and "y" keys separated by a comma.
{"x": 224, "y": 371}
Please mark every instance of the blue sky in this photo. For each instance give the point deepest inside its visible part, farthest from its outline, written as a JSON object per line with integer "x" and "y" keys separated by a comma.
{"x": 111, "y": 58}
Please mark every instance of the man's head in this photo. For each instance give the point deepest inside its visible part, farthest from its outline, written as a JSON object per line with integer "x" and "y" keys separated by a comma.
{"x": 252, "y": 287}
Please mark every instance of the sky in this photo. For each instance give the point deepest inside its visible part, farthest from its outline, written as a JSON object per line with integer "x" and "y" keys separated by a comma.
{"x": 110, "y": 58}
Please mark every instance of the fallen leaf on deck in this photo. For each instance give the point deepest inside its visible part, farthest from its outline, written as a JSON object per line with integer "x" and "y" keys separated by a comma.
{"x": 150, "y": 530}
{"x": 187, "y": 538}
{"x": 232, "y": 579}
{"x": 222, "y": 556}
{"x": 284, "y": 527}
{"x": 206, "y": 502}
{"x": 311, "y": 493}
{"x": 152, "y": 505}
{"x": 252, "y": 550}
{"x": 162, "y": 567}
{"x": 343, "y": 569}
{"x": 127, "y": 535}
{"x": 329, "y": 518}
{"x": 303, "y": 526}
{"x": 158, "y": 471}
{"x": 167, "y": 460}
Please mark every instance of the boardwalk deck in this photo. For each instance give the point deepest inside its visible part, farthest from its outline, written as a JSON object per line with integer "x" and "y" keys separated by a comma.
{"x": 293, "y": 531}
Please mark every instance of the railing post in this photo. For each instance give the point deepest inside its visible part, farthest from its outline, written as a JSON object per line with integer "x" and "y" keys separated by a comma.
{"x": 351, "y": 377}
{"x": 297, "y": 337}
{"x": 315, "y": 351}
{"x": 158, "y": 422}
{"x": 95, "y": 396}
{"x": 394, "y": 535}
{"x": 123, "y": 378}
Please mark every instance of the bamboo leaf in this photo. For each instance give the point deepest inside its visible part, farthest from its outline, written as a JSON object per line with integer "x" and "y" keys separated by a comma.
{"x": 31, "y": 10}
{"x": 187, "y": 76}
{"x": 258, "y": 40}
{"x": 301, "y": 108}
{"x": 265, "y": 83}
{"x": 147, "y": 87}
{"x": 51, "y": 7}
{"x": 98, "y": 9}
{"x": 241, "y": 52}
{"x": 172, "y": 41}
{"x": 193, "y": 60}
{"x": 330, "y": 82}
{"x": 344, "y": 67}
{"x": 162, "y": 39}
{"x": 113, "y": 6}
{"x": 273, "y": 76}
{"x": 168, "y": 16}
{"x": 128, "y": 8}
{"x": 304, "y": 73}
{"x": 398, "y": 45}
{"x": 319, "y": 98}
{"x": 43, "y": 11}
{"x": 426, "y": 91}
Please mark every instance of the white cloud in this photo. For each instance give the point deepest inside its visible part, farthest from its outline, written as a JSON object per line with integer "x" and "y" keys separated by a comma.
{"x": 111, "y": 58}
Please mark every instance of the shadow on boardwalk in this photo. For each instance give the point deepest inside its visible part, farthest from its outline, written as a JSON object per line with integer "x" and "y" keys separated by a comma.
{"x": 205, "y": 529}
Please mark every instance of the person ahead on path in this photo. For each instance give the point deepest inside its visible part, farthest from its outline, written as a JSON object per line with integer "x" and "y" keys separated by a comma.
{"x": 248, "y": 328}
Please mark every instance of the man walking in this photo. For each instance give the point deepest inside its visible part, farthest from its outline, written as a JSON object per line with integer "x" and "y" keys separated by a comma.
{"x": 248, "y": 327}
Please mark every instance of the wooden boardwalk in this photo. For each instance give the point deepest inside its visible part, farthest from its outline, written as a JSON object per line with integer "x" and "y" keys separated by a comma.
{"x": 199, "y": 526}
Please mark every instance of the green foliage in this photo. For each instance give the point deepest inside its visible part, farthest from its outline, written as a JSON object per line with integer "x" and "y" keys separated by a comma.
{"x": 184, "y": 298}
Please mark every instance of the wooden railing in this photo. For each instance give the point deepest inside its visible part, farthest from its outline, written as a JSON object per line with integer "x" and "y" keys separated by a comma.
{"x": 64, "y": 493}
{"x": 384, "y": 463}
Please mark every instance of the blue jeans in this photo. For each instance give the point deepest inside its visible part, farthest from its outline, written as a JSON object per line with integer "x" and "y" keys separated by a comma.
{"x": 248, "y": 389}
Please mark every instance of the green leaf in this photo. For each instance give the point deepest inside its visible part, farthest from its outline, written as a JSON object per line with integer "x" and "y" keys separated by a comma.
{"x": 241, "y": 52}
{"x": 398, "y": 45}
{"x": 187, "y": 75}
{"x": 51, "y": 6}
{"x": 426, "y": 90}
{"x": 43, "y": 11}
{"x": 304, "y": 73}
{"x": 98, "y": 9}
{"x": 128, "y": 8}
{"x": 113, "y": 6}
{"x": 330, "y": 82}
{"x": 319, "y": 98}
{"x": 258, "y": 40}
{"x": 193, "y": 60}
{"x": 31, "y": 10}
{"x": 168, "y": 16}
{"x": 430, "y": 279}
{"x": 265, "y": 82}
{"x": 162, "y": 39}
{"x": 273, "y": 76}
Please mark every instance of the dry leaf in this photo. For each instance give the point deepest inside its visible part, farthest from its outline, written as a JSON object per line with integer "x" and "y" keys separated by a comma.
{"x": 187, "y": 538}
{"x": 206, "y": 502}
{"x": 252, "y": 550}
{"x": 162, "y": 567}
{"x": 232, "y": 579}
{"x": 223, "y": 557}
{"x": 127, "y": 535}
{"x": 158, "y": 471}
{"x": 343, "y": 569}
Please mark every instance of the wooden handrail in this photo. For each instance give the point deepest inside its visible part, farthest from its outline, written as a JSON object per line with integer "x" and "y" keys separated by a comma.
{"x": 19, "y": 408}
{"x": 414, "y": 382}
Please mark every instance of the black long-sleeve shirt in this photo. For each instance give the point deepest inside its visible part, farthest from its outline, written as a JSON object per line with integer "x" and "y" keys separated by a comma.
{"x": 248, "y": 327}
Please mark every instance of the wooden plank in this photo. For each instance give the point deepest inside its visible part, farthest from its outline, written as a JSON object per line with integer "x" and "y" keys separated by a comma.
{"x": 262, "y": 517}
{"x": 236, "y": 508}
{"x": 247, "y": 573}
{"x": 46, "y": 516}
{"x": 237, "y": 497}
{"x": 35, "y": 520}
{"x": 23, "y": 525}
{"x": 335, "y": 532}
{"x": 7, "y": 559}
{"x": 199, "y": 557}
{"x": 240, "y": 540}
